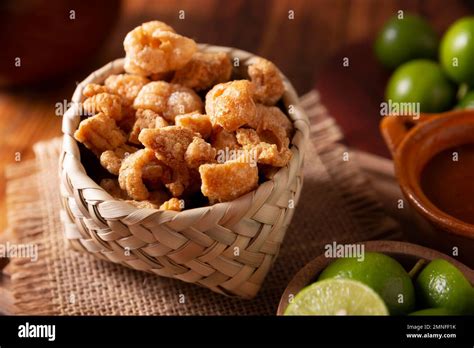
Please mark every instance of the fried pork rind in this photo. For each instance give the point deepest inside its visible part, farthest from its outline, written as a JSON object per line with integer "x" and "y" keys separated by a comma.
{"x": 154, "y": 201}
{"x": 168, "y": 100}
{"x": 247, "y": 136}
{"x": 112, "y": 105}
{"x": 230, "y": 105}
{"x": 132, "y": 68}
{"x": 227, "y": 181}
{"x": 197, "y": 122}
{"x": 145, "y": 119}
{"x": 269, "y": 154}
{"x": 107, "y": 103}
{"x": 170, "y": 145}
{"x": 100, "y": 133}
{"x": 265, "y": 152}
{"x": 268, "y": 117}
{"x": 160, "y": 122}
{"x": 154, "y": 47}
{"x": 113, "y": 188}
{"x": 273, "y": 134}
{"x": 172, "y": 204}
{"x": 182, "y": 101}
{"x": 267, "y": 81}
{"x": 93, "y": 89}
{"x": 125, "y": 85}
{"x": 128, "y": 119}
{"x": 131, "y": 172}
{"x": 112, "y": 159}
{"x": 154, "y": 96}
{"x": 199, "y": 152}
{"x": 204, "y": 70}
{"x": 273, "y": 127}
{"x": 222, "y": 139}
{"x": 156, "y": 173}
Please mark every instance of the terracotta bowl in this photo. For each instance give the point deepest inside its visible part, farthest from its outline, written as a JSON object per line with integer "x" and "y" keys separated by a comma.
{"x": 413, "y": 142}
{"x": 406, "y": 253}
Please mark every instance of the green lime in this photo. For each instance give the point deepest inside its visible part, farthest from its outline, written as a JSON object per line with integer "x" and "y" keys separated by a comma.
{"x": 434, "y": 311}
{"x": 457, "y": 51}
{"x": 383, "y": 274}
{"x": 467, "y": 102}
{"x": 421, "y": 81}
{"x": 337, "y": 297}
{"x": 404, "y": 39}
{"x": 441, "y": 284}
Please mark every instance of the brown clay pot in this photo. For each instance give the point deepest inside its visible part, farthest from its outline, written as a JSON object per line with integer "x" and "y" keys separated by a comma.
{"x": 413, "y": 142}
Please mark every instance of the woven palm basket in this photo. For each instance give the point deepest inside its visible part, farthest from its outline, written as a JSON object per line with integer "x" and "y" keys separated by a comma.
{"x": 227, "y": 247}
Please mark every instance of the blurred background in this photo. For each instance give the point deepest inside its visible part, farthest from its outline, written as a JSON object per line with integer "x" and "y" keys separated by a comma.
{"x": 48, "y": 46}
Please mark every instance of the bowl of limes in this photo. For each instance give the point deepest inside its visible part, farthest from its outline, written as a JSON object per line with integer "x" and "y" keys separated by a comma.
{"x": 385, "y": 278}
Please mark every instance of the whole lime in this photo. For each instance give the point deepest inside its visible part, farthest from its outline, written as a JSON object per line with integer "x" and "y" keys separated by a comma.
{"x": 440, "y": 284}
{"x": 421, "y": 81}
{"x": 467, "y": 102}
{"x": 404, "y": 39}
{"x": 457, "y": 51}
{"x": 380, "y": 272}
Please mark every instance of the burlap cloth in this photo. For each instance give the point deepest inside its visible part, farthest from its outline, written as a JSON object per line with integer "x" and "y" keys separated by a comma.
{"x": 337, "y": 204}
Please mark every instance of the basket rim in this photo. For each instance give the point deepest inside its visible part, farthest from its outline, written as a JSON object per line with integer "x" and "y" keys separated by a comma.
{"x": 71, "y": 117}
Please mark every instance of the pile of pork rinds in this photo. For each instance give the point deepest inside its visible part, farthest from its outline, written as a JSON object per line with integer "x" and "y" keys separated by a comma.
{"x": 175, "y": 125}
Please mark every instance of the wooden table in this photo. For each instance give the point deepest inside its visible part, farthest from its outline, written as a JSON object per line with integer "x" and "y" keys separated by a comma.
{"x": 300, "y": 47}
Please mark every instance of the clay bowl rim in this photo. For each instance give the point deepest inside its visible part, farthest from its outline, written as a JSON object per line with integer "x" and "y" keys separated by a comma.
{"x": 412, "y": 190}
{"x": 308, "y": 273}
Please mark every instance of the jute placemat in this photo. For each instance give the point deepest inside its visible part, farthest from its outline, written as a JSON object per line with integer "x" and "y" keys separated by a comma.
{"x": 337, "y": 204}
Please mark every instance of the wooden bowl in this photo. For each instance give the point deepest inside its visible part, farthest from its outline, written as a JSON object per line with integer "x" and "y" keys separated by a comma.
{"x": 405, "y": 253}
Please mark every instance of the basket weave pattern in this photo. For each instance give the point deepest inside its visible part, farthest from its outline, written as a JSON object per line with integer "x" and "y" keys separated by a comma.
{"x": 227, "y": 247}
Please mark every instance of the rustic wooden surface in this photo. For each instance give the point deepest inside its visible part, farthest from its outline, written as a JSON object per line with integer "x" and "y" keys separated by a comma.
{"x": 301, "y": 47}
